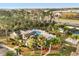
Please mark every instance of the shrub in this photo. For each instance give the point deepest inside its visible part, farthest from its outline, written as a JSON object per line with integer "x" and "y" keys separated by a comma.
{"x": 56, "y": 40}
{"x": 10, "y": 53}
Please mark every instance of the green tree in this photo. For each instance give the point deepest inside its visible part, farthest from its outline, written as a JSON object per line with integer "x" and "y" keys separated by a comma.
{"x": 18, "y": 51}
{"x": 51, "y": 42}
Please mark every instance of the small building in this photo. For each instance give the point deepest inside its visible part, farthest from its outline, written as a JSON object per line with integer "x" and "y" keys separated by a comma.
{"x": 13, "y": 35}
{"x": 31, "y": 33}
{"x": 57, "y": 15}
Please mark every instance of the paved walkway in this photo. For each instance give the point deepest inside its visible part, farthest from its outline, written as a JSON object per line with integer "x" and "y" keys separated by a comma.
{"x": 4, "y": 49}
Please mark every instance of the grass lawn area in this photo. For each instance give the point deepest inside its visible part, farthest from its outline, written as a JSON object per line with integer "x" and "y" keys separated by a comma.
{"x": 25, "y": 51}
{"x": 28, "y": 52}
{"x": 9, "y": 43}
{"x": 70, "y": 20}
{"x": 2, "y": 39}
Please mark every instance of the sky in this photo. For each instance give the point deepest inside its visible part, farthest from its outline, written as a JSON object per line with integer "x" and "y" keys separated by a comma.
{"x": 38, "y": 5}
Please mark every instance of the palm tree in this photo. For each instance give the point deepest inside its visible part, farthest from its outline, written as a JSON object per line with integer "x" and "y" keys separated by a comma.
{"x": 48, "y": 45}
{"x": 18, "y": 50}
{"x": 41, "y": 42}
{"x": 51, "y": 42}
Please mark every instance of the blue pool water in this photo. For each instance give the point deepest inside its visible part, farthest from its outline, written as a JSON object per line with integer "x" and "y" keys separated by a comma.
{"x": 36, "y": 32}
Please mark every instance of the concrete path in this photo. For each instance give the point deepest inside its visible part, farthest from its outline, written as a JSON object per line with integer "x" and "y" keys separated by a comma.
{"x": 4, "y": 49}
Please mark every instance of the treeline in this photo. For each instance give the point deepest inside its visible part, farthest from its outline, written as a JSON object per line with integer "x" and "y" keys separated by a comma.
{"x": 17, "y": 19}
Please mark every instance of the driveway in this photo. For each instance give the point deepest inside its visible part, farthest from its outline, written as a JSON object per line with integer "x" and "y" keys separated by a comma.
{"x": 3, "y": 50}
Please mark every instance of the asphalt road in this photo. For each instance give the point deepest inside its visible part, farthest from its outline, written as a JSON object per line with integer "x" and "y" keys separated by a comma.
{"x": 3, "y": 50}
